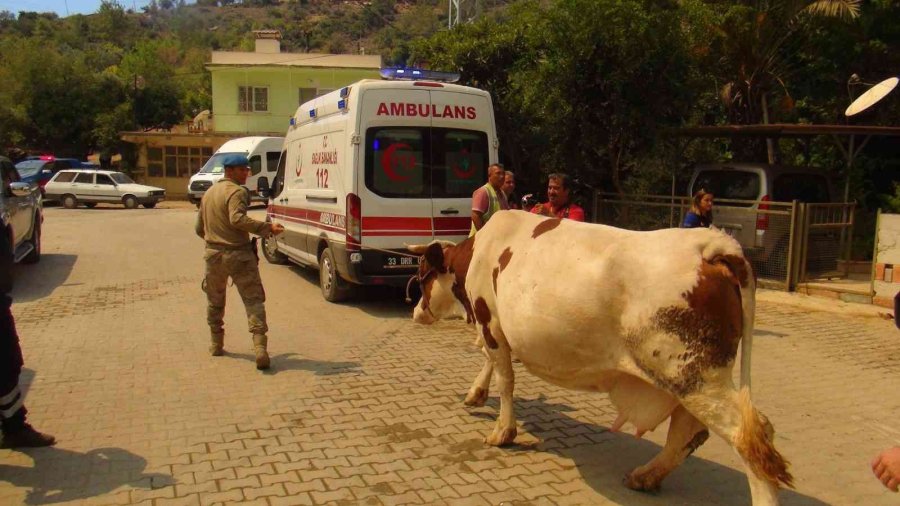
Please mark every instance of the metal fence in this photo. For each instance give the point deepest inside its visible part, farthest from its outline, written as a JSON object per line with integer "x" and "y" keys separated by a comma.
{"x": 786, "y": 242}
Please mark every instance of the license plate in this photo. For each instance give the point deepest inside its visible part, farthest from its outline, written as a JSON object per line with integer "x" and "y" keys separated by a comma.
{"x": 400, "y": 262}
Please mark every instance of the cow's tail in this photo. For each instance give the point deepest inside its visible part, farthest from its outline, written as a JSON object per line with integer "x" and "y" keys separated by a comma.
{"x": 745, "y": 282}
{"x": 754, "y": 444}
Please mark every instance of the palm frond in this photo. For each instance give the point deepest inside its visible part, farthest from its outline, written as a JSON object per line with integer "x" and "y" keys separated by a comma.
{"x": 845, "y": 9}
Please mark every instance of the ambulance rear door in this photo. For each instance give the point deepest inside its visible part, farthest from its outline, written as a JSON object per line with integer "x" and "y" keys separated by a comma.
{"x": 462, "y": 146}
{"x": 394, "y": 187}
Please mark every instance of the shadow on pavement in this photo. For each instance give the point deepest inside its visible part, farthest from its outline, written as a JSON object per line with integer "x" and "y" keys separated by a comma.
{"x": 288, "y": 362}
{"x": 39, "y": 280}
{"x": 603, "y": 458}
{"x": 60, "y": 475}
{"x": 379, "y": 301}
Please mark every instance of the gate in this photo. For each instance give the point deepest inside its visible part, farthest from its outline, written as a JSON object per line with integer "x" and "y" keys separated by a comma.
{"x": 785, "y": 242}
{"x": 825, "y": 231}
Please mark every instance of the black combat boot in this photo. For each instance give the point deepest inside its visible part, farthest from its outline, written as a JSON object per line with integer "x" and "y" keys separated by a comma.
{"x": 26, "y": 437}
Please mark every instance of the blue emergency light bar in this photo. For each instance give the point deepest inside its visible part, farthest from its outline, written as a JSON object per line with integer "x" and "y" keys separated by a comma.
{"x": 404, "y": 74}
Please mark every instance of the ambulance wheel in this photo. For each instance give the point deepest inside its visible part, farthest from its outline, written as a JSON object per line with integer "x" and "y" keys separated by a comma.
{"x": 270, "y": 251}
{"x": 334, "y": 288}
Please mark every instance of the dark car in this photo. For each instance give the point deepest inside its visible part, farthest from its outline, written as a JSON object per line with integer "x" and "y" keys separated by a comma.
{"x": 22, "y": 214}
{"x": 37, "y": 171}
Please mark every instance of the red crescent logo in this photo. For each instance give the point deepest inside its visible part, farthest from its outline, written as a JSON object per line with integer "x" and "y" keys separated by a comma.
{"x": 463, "y": 175}
{"x": 387, "y": 162}
{"x": 299, "y": 168}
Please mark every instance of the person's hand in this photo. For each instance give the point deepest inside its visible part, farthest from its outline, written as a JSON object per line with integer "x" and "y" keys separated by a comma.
{"x": 886, "y": 467}
{"x": 542, "y": 209}
{"x": 276, "y": 228}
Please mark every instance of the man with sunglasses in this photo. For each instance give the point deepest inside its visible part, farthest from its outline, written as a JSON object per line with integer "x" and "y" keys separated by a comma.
{"x": 223, "y": 223}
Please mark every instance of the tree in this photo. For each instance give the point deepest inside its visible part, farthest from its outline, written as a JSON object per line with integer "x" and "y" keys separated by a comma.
{"x": 581, "y": 86}
{"x": 757, "y": 47}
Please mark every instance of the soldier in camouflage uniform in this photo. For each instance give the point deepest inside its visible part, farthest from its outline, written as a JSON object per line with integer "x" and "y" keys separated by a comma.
{"x": 223, "y": 223}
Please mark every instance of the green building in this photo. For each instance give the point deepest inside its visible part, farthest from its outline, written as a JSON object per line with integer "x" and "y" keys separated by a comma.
{"x": 253, "y": 93}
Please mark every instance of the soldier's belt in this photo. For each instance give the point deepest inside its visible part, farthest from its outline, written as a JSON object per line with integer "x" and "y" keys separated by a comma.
{"x": 228, "y": 247}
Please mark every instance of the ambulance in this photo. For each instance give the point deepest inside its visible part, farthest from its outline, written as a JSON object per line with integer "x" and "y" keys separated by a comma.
{"x": 373, "y": 167}
{"x": 263, "y": 153}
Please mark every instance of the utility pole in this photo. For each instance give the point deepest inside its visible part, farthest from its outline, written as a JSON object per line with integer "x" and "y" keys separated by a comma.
{"x": 462, "y": 11}
{"x": 453, "y": 11}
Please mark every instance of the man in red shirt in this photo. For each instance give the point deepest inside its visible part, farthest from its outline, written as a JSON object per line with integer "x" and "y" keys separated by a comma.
{"x": 558, "y": 204}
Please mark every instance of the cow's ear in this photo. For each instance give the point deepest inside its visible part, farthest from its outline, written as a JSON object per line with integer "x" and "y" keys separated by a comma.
{"x": 434, "y": 255}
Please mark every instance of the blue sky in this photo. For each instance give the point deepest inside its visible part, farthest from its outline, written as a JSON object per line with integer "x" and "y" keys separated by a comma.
{"x": 60, "y": 6}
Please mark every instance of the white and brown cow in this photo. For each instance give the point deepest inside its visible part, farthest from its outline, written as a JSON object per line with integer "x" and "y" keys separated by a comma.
{"x": 653, "y": 318}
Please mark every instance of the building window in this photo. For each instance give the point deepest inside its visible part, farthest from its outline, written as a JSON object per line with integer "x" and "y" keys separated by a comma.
{"x": 322, "y": 91}
{"x": 154, "y": 162}
{"x": 306, "y": 94}
{"x": 184, "y": 161}
{"x": 251, "y": 99}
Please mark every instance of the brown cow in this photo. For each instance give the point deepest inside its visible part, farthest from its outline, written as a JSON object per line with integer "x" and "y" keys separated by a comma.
{"x": 653, "y": 318}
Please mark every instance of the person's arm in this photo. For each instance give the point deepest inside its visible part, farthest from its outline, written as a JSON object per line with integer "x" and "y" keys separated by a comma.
{"x": 199, "y": 228}
{"x": 6, "y": 264}
{"x": 237, "y": 215}
{"x": 886, "y": 467}
{"x": 542, "y": 209}
{"x": 480, "y": 203}
{"x": 477, "y": 219}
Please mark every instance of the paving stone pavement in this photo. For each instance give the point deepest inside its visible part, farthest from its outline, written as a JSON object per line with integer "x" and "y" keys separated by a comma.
{"x": 145, "y": 417}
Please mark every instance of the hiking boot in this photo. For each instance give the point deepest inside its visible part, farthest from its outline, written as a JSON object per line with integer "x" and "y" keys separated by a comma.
{"x": 259, "y": 347}
{"x": 217, "y": 345}
{"x": 26, "y": 437}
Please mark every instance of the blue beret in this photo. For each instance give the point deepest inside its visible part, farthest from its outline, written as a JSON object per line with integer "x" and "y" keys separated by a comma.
{"x": 235, "y": 159}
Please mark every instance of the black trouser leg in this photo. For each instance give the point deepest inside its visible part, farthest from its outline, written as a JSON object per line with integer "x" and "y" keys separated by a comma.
{"x": 12, "y": 409}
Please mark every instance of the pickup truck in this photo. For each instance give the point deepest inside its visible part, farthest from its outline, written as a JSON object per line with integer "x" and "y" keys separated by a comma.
{"x": 21, "y": 215}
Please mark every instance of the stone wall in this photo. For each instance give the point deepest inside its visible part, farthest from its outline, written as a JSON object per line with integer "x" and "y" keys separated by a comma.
{"x": 887, "y": 260}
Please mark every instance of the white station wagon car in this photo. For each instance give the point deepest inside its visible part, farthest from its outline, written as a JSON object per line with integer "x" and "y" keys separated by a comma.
{"x": 89, "y": 187}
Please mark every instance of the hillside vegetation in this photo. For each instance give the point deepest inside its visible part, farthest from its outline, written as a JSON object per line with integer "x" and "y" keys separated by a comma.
{"x": 591, "y": 87}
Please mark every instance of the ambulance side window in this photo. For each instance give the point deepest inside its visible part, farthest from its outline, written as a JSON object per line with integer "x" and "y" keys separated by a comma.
{"x": 278, "y": 182}
{"x": 255, "y": 165}
{"x": 397, "y": 164}
{"x": 459, "y": 160}
{"x": 272, "y": 160}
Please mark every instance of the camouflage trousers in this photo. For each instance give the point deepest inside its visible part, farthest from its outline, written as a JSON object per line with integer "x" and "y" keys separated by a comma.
{"x": 242, "y": 267}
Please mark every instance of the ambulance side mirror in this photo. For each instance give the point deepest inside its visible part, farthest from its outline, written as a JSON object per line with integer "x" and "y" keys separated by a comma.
{"x": 262, "y": 187}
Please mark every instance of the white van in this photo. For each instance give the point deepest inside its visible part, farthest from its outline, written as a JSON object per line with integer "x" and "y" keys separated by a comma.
{"x": 263, "y": 153}
{"x": 741, "y": 190}
{"x": 374, "y": 167}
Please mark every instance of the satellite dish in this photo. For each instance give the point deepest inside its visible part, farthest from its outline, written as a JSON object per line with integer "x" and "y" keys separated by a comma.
{"x": 872, "y": 96}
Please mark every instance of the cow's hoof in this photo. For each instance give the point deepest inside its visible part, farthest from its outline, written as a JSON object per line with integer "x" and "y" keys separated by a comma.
{"x": 641, "y": 482}
{"x": 476, "y": 397}
{"x": 501, "y": 437}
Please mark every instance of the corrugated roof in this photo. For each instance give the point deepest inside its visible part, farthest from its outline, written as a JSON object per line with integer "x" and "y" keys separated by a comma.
{"x": 267, "y": 34}
{"x": 243, "y": 58}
